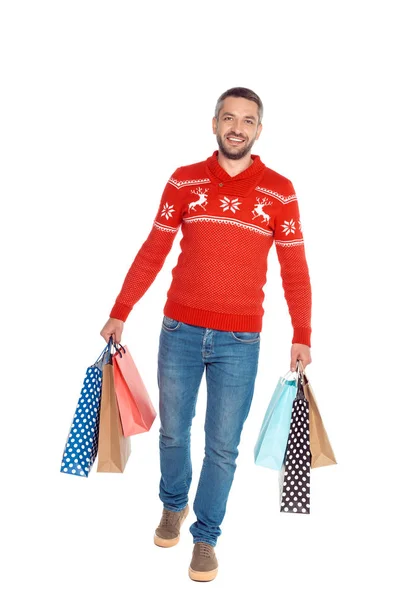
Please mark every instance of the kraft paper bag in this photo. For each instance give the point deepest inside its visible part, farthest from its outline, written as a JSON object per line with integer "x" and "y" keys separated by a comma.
{"x": 321, "y": 450}
{"x": 114, "y": 449}
{"x": 134, "y": 403}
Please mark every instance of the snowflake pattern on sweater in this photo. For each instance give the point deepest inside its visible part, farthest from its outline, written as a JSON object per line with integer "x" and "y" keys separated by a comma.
{"x": 219, "y": 215}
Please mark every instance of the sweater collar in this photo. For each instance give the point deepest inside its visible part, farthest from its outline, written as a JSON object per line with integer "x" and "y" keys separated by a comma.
{"x": 219, "y": 173}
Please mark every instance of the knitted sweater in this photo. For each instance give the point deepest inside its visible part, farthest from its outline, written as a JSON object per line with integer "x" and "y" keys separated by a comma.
{"x": 228, "y": 227}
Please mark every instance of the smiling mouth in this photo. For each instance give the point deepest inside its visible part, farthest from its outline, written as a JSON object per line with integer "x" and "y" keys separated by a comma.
{"x": 235, "y": 140}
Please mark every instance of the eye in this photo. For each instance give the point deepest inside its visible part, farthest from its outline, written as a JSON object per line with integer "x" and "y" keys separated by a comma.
{"x": 249, "y": 122}
{"x": 227, "y": 118}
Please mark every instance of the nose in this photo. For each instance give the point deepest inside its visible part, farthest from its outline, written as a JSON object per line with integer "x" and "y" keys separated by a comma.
{"x": 236, "y": 128}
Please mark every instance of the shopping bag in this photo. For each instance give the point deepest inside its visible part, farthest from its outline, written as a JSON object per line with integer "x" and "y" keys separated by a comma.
{"x": 80, "y": 450}
{"x": 134, "y": 403}
{"x": 295, "y": 491}
{"x": 114, "y": 449}
{"x": 270, "y": 447}
{"x": 321, "y": 450}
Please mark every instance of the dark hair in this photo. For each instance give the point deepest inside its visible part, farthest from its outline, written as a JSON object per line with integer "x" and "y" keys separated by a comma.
{"x": 240, "y": 92}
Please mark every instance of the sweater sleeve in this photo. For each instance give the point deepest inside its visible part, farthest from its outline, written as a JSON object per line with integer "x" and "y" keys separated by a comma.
{"x": 152, "y": 254}
{"x": 289, "y": 245}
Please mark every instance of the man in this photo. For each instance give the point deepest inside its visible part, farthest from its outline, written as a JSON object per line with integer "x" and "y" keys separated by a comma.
{"x": 231, "y": 208}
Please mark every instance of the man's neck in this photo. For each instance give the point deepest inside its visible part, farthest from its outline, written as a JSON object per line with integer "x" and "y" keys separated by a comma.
{"x": 234, "y": 167}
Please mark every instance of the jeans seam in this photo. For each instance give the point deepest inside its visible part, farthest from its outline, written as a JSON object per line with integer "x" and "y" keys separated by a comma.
{"x": 187, "y": 466}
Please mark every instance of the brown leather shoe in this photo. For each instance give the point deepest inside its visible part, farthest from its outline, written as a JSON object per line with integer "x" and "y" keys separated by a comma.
{"x": 204, "y": 565}
{"x": 167, "y": 533}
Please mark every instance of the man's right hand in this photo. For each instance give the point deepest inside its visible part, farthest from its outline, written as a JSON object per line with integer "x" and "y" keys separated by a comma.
{"x": 113, "y": 328}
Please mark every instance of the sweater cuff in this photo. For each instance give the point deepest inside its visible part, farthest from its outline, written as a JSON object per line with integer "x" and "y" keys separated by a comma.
{"x": 302, "y": 335}
{"x": 120, "y": 311}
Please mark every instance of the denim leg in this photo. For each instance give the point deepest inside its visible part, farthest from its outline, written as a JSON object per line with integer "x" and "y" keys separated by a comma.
{"x": 231, "y": 370}
{"x": 180, "y": 370}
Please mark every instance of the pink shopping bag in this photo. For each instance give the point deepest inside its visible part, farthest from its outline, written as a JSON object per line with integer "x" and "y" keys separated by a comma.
{"x": 135, "y": 407}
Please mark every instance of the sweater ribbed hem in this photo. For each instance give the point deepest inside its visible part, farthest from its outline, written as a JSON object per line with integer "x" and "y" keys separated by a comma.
{"x": 302, "y": 336}
{"x": 120, "y": 311}
{"x": 212, "y": 320}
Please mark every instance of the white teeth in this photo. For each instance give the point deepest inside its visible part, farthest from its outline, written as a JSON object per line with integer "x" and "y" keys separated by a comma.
{"x": 235, "y": 139}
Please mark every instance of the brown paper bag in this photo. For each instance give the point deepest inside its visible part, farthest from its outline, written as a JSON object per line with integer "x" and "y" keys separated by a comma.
{"x": 114, "y": 448}
{"x": 321, "y": 450}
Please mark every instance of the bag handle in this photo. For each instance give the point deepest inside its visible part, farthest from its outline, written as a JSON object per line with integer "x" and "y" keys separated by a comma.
{"x": 290, "y": 375}
{"x": 118, "y": 349}
{"x": 104, "y": 355}
{"x": 299, "y": 374}
{"x": 300, "y": 371}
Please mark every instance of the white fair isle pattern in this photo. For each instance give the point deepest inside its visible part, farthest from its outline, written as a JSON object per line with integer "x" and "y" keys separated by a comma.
{"x": 82, "y": 444}
{"x": 230, "y": 221}
{"x": 283, "y": 199}
{"x": 230, "y": 204}
{"x": 295, "y": 496}
{"x": 258, "y": 210}
{"x": 179, "y": 184}
{"x": 201, "y": 201}
{"x": 163, "y": 227}
{"x": 167, "y": 210}
{"x": 289, "y": 227}
{"x": 291, "y": 243}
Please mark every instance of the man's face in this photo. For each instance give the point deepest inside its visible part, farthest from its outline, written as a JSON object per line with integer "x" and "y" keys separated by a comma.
{"x": 237, "y": 127}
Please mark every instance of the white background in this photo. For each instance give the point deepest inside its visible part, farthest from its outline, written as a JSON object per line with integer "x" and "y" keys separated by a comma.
{"x": 100, "y": 102}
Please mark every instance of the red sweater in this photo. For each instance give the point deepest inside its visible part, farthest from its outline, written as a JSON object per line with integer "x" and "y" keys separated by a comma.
{"x": 228, "y": 227}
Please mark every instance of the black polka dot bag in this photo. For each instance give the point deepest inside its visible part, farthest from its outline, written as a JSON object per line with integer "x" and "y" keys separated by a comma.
{"x": 81, "y": 447}
{"x": 295, "y": 473}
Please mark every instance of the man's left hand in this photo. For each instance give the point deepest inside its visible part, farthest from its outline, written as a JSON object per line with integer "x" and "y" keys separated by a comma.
{"x": 299, "y": 352}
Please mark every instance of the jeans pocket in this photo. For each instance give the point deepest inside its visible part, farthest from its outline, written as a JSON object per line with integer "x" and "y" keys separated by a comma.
{"x": 170, "y": 324}
{"x": 247, "y": 337}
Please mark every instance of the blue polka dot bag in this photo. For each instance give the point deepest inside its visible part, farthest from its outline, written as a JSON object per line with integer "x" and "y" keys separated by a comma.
{"x": 82, "y": 443}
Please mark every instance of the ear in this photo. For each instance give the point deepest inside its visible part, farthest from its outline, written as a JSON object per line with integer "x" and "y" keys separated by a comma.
{"x": 214, "y": 125}
{"x": 259, "y": 130}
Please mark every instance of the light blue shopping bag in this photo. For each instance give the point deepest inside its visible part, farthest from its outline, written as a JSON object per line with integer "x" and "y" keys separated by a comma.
{"x": 270, "y": 448}
{"x": 82, "y": 443}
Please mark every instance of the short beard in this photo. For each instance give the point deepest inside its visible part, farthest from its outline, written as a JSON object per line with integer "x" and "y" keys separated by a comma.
{"x": 237, "y": 155}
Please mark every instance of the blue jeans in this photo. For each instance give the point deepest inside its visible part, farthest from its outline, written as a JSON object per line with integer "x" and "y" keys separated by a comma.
{"x": 230, "y": 360}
